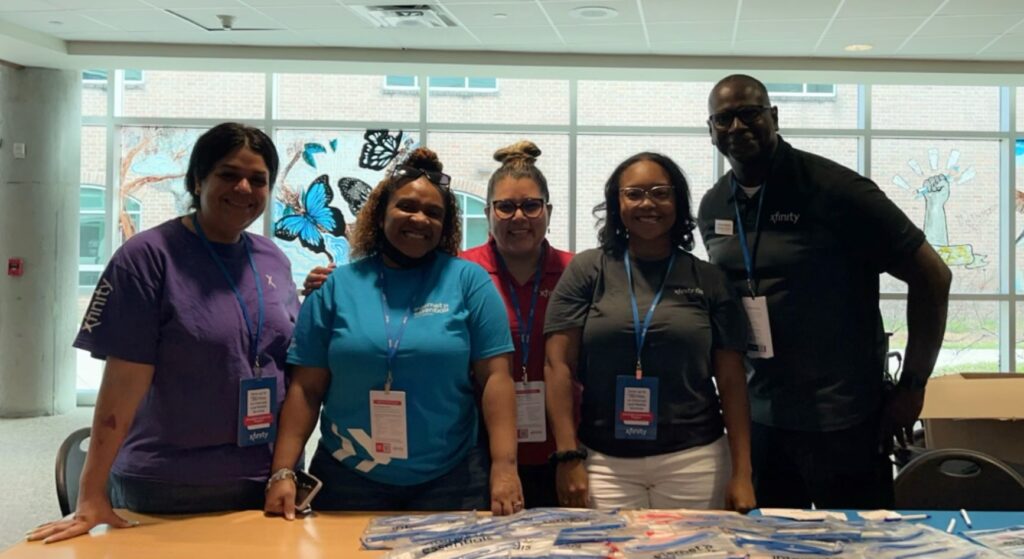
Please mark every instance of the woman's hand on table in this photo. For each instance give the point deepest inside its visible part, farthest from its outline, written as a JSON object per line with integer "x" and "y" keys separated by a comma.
{"x": 506, "y": 490}
{"x": 88, "y": 515}
{"x": 571, "y": 484}
{"x": 280, "y": 499}
{"x": 740, "y": 495}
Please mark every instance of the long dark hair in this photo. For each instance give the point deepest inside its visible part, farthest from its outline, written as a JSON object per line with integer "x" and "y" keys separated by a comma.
{"x": 612, "y": 233}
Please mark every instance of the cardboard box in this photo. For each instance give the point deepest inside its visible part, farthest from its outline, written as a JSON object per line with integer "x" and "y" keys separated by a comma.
{"x": 976, "y": 411}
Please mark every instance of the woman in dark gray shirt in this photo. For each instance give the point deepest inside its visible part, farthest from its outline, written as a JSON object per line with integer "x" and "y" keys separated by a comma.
{"x": 648, "y": 330}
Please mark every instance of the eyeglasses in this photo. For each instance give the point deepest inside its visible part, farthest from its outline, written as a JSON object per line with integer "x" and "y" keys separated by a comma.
{"x": 747, "y": 115}
{"x": 659, "y": 194}
{"x": 506, "y": 209}
{"x": 436, "y": 177}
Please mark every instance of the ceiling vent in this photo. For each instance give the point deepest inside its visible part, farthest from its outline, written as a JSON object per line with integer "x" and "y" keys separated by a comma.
{"x": 405, "y": 15}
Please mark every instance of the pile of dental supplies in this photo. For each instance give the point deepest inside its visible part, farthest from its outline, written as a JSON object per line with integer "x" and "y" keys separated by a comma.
{"x": 663, "y": 534}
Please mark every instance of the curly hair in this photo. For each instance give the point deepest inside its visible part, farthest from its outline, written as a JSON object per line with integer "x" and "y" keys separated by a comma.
{"x": 519, "y": 161}
{"x": 612, "y": 233}
{"x": 368, "y": 235}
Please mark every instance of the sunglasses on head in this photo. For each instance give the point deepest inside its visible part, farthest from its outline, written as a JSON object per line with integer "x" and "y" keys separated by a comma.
{"x": 506, "y": 209}
{"x": 413, "y": 173}
{"x": 747, "y": 115}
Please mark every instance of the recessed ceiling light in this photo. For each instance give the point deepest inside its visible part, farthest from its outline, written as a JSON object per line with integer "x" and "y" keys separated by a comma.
{"x": 858, "y": 47}
{"x": 593, "y": 12}
{"x": 500, "y": 15}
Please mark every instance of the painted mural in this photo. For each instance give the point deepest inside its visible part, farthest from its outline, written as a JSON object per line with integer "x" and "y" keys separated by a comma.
{"x": 326, "y": 178}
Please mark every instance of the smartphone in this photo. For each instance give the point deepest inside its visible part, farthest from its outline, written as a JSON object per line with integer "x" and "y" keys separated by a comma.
{"x": 306, "y": 487}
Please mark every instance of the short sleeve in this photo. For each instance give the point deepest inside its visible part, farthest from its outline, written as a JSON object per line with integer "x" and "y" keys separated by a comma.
{"x": 729, "y": 323}
{"x": 312, "y": 335}
{"x": 872, "y": 225}
{"x": 123, "y": 317}
{"x": 488, "y": 322}
{"x": 574, "y": 294}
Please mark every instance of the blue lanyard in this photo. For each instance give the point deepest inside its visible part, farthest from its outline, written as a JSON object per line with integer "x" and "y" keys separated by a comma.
{"x": 525, "y": 328}
{"x": 394, "y": 339}
{"x": 748, "y": 258}
{"x": 254, "y": 336}
{"x": 640, "y": 331}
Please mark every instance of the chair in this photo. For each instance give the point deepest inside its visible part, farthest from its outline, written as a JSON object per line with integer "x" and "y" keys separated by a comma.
{"x": 950, "y": 479}
{"x": 70, "y": 461}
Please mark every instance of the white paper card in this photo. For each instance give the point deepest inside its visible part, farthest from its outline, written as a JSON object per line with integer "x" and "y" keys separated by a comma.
{"x": 759, "y": 339}
{"x": 723, "y": 227}
{"x": 531, "y": 420}
{"x": 388, "y": 424}
{"x": 810, "y": 515}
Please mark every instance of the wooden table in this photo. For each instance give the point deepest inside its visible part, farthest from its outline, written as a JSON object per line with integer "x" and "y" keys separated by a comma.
{"x": 245, "y": 535}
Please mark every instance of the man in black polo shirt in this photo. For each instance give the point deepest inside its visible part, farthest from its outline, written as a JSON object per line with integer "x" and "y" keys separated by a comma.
{"x": 817, "y": 235}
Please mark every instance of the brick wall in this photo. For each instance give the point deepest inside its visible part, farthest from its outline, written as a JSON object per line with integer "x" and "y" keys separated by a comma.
{"x": 933, "y": 107}
{"x": 196, "y": 95}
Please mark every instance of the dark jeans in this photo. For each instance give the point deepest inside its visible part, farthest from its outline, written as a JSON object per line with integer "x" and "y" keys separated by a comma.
{"x": 465, "y": 487}
{"x": 835, "y": 469}
{"x": 538, "y": 485}
{"x": 155, "y": 497}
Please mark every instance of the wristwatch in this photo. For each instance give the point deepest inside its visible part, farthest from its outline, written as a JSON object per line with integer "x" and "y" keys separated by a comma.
{"x": 568, "y": 455}
{"x": 283, "y": 473}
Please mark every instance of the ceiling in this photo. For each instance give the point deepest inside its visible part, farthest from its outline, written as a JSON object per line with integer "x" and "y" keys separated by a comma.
{"x": 989, "y": 30}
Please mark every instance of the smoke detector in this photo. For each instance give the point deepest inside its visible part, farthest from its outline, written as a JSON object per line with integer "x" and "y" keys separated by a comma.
{"x": 405, "y": 15}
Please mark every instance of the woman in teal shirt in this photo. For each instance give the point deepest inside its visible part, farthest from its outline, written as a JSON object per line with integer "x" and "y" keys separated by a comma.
{"x": 387, "y": 346}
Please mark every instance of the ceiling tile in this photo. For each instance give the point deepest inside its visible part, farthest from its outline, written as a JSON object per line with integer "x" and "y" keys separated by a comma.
{"x": 946, "y": 26}
{"x": 355, "y": 38}
{"x": 788, "y": 9}
{"x": 561, "y": 12}
{"x": 184, "y": 4}
{"x": 98, "y": 4}
{"x": 610, "y": 34}
{"x": 693, "y": 48}
{"x": 191, "y": 38}
{"x": 290, "y": 4}
{"x": 426, "y": 38}
{"x": 688, "y": 32}
{"x": 482, "y": 15}
{"x": 268, "y": 39}
{"x": 317, "y": 17}
{"x": 888, "y": 8}
{"x": 775, "y": 30}
{"x": 244, "y": 18}
{"x": 64, "y": 22}
{"x": 945, "y": 46}
{"x": 25, "y": 5}
{"x": 608, "y": 48}
{"x": 785, "y": 47}
{"x": 860, "y": 30}
{"x": 140, "y": 20}
{"x": 1010, "y": 44}
{"x": 664, "y": 11}
{"x": 982, "y": 7}
{"x": 883, "y": 46}
{"x": 525, "y": 36}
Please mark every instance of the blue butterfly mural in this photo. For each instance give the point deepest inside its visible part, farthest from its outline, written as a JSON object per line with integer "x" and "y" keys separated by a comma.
{"x": 315, "y": 219}
{"x": 381, "y": 148}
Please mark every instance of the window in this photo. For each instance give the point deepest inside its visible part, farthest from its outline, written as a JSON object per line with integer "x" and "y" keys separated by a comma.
{"x": 438, "y": 84}
{"x": 92, "y": 226}
{"x": 99, "y": 77}
{"x": 474, "y": 221}
{"x": 808, "y": 90}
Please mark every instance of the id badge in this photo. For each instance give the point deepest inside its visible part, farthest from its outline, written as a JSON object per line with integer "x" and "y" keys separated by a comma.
{"x": 636, "y": 408}
{"x": 388, "y": 424}
{"x": 531, "y": 421}
{"x": 759, "y": 340}
{"x": 257, "y": 400}
{"x": 723, "y": 227}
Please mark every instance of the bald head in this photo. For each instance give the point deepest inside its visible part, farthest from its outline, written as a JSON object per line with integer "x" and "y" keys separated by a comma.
{"x": 755, "y": 90}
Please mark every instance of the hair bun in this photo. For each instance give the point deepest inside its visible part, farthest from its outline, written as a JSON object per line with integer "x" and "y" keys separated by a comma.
{"x": 523, "y": 150}
{"x": 425, "y": 159}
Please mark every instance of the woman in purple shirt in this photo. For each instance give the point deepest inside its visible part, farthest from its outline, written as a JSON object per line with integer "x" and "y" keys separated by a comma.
{"x": 193, "y": 318}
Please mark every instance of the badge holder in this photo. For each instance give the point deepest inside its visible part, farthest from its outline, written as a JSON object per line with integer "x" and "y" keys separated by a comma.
{"x": 636, "y": 407}
{"x": 257, "y": 402}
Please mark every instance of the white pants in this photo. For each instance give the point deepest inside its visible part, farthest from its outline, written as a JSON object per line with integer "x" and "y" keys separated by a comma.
{"x": 695, "y": 478}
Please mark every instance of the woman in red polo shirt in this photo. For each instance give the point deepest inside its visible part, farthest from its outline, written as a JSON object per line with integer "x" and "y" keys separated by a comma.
{"x": 525, "y": 268}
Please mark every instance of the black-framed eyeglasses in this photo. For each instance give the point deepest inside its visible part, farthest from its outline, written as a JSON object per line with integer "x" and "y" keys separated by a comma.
{"x": 747, "y": 115}
{"x": 436, "y": 177}
{"x": 506, "y": 209}
{"x": 659, "y": 194}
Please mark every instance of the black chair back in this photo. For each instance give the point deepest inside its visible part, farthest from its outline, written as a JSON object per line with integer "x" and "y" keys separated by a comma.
{"x": 953, "y": 478}
{"x": 70, "y": 461}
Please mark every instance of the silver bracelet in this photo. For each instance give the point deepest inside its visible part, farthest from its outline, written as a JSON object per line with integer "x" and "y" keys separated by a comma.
{"x": 283, "y": 473}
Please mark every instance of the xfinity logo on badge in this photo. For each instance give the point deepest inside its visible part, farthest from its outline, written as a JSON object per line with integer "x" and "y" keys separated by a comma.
{"x": 791, "y": 217}
{"x": 689, "y": 291}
